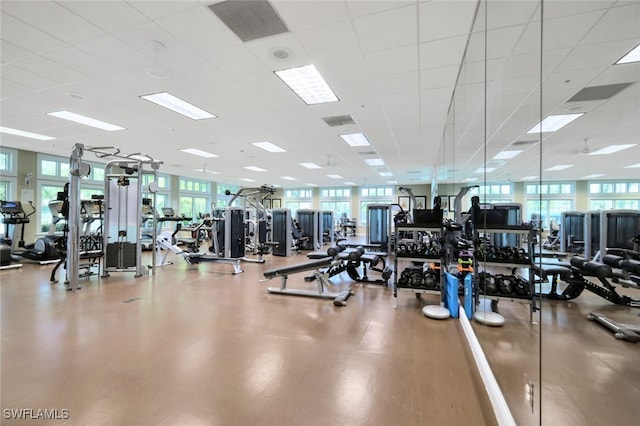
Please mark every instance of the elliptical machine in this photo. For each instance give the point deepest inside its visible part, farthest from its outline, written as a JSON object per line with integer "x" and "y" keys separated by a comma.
{"x": 42, "y": 251}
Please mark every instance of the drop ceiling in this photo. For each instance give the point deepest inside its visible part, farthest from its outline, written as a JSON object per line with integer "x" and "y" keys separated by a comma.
{"x": 392, "y": 64}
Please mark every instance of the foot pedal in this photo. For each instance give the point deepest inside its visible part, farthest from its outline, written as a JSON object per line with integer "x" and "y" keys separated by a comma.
{"x": 341, "y": 300}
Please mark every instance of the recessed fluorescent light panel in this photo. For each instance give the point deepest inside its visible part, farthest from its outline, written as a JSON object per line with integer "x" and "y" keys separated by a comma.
{"x": 308, "y": 84}
{"x": 392, "y": 182}
{"x": 386, "y": 174}
{"x": 633, "y": 166}
{"x": 529, "y": 178}
{"x": 633, "y": 56}
{"x": 255, "y": 169}
{"x": 268, "y": 146}
{"x": 349, "y": 183}
{"x": 593, "y": 176}
{"x": 248, "y": 180}
{"x": 356, "y": 139}
{"x": 288, "y": 178}
{"x": 175, "y": 104}
{"x": 335, "y": 176}
{"x": 374, "y": 161}
{"x": 485, "y": 169}
{"x": 198, "y": 152}
{"x": 87, "y": 121}
{"x": 311, "y": 184}
{"x": 472, "y": 179}
{"x": 22, "y": 133}
{"x": 506, "y": 155}
{"x": 559, "y": 167}
{"x": 554, "y": 122}
{"x": 310, "y": 165}
{"x": 611, "y": 149}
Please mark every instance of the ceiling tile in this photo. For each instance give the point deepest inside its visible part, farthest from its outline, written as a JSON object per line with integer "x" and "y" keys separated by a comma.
{"x": 303, "y": 15}
{"x": 619, "y": 23}
{"x": 26, "y": 78}
{"x": 330, "y": 41}
{"x": 206, "y": 33}
{"x": 386, "y": 30}
{"x": 440, "y": 19}
{"x": 363, "y": 8}
{"x": 441, "y": 53}
{"x": 159, "y": 9}
{"x": 26, "y": 36}
{"x": 236, "y": 61}
{"x": 82, "y": 62}
{"x": 50, "y": 69}
{"x": 66, "y": 26}
{"x": 393, "y": 61}
{"x": 12, "y": 53}
{"x": 438, "y": 77}
{"x": 117, "y": 53}
{"x": 110, "y": 16}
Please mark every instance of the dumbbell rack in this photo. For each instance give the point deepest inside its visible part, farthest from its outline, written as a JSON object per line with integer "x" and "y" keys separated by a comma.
{"x": 478, "y": 265}
{"x": 412, "y": 258}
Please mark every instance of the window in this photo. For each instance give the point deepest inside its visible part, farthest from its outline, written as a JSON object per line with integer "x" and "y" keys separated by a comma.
{"x": 547, "y": 201}
{"x": 8, "y": 173}
{"x": 298, "y": 193}
{"x": 221, "y": 198}
{"x": 622, "y": 204}
{"x": 337, "y": 200}
{"x": 195, "y": 196}
{"x": 548, "y": 210}
{"x": 163, "y": 195}
{"x": 494, "y": 193}
{"x": 374, "y": 195}
{"x": 298, "y": 199}
{"x": 53, "y": 173}
{"x": 8, "y": 160}
{"x": 614, "y": 195}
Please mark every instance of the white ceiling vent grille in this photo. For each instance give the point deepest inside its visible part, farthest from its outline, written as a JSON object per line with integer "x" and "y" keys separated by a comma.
{"x": 249, "y": 19}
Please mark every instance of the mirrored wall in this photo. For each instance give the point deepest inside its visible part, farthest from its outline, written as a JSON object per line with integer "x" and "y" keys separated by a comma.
{"x": 526, "y": 61}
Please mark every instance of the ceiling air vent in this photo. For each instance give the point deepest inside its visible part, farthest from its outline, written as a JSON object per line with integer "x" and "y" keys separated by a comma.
{"x": 250, "y": 19}
{"x": 339, "y": 120}
{"x": 364, "y": 153}
{"x": 522, "y": 143}
{"x": 599, "y": 93}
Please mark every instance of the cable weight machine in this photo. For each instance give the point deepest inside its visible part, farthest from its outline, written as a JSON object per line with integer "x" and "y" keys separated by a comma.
{"x": 123, "y": 190}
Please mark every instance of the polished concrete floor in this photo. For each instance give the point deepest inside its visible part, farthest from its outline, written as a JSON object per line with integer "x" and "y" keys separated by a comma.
{"x": 198, "y": 345}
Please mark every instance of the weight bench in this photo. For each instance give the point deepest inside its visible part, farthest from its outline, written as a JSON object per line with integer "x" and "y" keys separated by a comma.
{"x": 554, "y": 272}
{"x": 627, "y": 272}
{"x": 603, "y": 273}
{"x": 339, "y": 299}
{"x": 351, "y": 259}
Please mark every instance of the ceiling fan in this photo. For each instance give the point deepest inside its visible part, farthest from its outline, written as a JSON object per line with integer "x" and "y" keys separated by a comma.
{"x": 329, "y": 164}
{"x": 585, "y": 150}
